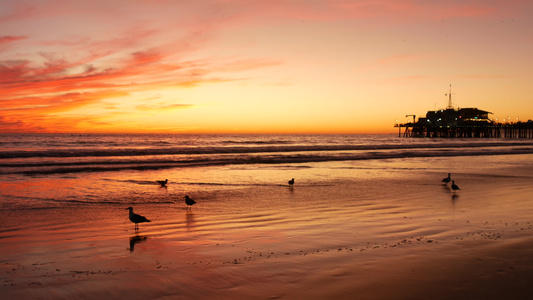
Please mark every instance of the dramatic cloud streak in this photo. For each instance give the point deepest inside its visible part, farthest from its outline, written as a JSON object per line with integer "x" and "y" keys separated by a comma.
{"x": 9, "y": 39}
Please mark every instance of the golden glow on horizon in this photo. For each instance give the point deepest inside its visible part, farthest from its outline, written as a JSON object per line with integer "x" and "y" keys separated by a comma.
{"x": 258, "y": 67}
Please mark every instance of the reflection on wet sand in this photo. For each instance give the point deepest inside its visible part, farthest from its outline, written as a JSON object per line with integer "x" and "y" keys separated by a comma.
{"x": 190, "y": 221}
{"x": 136, "y": 239}
{"x": 454, "y": 199}
{"x": 291, "y": 189}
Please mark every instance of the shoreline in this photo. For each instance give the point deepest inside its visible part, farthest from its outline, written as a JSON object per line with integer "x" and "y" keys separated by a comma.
{"x": 364, "y": 233}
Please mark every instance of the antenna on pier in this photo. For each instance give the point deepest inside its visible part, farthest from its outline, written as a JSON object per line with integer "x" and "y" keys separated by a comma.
{"x": 450, "y": 106}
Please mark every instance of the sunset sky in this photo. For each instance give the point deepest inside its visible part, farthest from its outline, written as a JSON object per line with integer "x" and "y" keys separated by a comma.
{"x": 247, "y": 66}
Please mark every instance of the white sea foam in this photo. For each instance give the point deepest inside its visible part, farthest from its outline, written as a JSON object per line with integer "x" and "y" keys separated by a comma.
{"x": 61, "y": 153}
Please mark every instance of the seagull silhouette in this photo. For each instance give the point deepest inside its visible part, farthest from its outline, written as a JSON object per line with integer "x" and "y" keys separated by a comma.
{"x": 135, "y": 218}
{"x": 447, "y": 179}
{"x": 291, "y": 182}
{"x": 162, "y": 182}
{"x": 189, "y": 201}
{"x": 454, "y": 186}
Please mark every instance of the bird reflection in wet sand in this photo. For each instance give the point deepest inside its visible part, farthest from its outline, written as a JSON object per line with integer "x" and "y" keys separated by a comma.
{"x": 454, "y": 198}
{"x": 190, "y": 222}
{"x": 135, "y": 218}
{"x": 136, "y": 239}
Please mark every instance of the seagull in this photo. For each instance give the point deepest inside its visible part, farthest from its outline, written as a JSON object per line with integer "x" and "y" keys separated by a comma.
{"x": 135, "y": 218}
{"x": 291, "y": 182}
{"x": 447, "y": 179}
{"x": 162, "y": 182}
{"x": 190, "y": 202}
{"x": 454, "y": 186}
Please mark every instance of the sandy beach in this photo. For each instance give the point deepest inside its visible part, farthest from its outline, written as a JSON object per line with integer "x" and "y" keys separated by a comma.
{"x": 386, "y": 229}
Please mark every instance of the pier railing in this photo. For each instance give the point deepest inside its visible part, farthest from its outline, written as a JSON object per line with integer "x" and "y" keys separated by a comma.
{"x": 493, "y": 130}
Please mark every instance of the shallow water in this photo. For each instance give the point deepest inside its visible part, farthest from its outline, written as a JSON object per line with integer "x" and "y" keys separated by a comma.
{"x": 345, "y": 226}
{"x": 44, "y": 154}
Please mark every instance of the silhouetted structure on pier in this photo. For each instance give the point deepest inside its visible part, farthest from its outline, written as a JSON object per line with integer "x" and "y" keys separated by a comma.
{"x": 463, "y": 123}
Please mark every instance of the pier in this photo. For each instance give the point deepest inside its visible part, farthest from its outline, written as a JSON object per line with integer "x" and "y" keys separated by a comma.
{"x": 522, "y": 130}
{"x": 463, "y": 123}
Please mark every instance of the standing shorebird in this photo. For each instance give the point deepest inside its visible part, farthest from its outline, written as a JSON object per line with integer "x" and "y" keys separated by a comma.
{"x": 447, "y": 179}
{"x": 135, "y": 218}
{"x": 189, "y": 201}
{"x": 291, "y": 182}
{"x": 162, "y": 182}
{"x": 454, "y": 186}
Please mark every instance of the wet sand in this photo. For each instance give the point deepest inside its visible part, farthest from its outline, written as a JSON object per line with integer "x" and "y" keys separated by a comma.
{"x": 346, "y": 230}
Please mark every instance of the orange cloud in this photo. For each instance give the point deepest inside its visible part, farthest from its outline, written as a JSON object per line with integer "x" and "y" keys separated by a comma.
{"x": 52, "y": 83}
{"x": 163, "y": 107}
{"x": 10, "y": 39}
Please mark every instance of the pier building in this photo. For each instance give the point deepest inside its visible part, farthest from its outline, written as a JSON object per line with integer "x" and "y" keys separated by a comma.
{"x": 463, "y": 123}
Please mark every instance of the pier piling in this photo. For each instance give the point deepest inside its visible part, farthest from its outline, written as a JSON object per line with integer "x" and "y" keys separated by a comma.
{"x": 520, "y": 130}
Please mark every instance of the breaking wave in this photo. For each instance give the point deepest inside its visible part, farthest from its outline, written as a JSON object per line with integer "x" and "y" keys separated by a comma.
{"x": 47, "y": 154}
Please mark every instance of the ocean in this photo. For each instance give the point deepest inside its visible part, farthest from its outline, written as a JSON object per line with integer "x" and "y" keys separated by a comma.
{"x": 49, "y": 170}
{"x": 32, "y": 154}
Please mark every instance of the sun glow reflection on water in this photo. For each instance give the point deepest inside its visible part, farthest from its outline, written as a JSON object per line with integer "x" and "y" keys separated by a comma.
{"x": 247, "y": 216}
